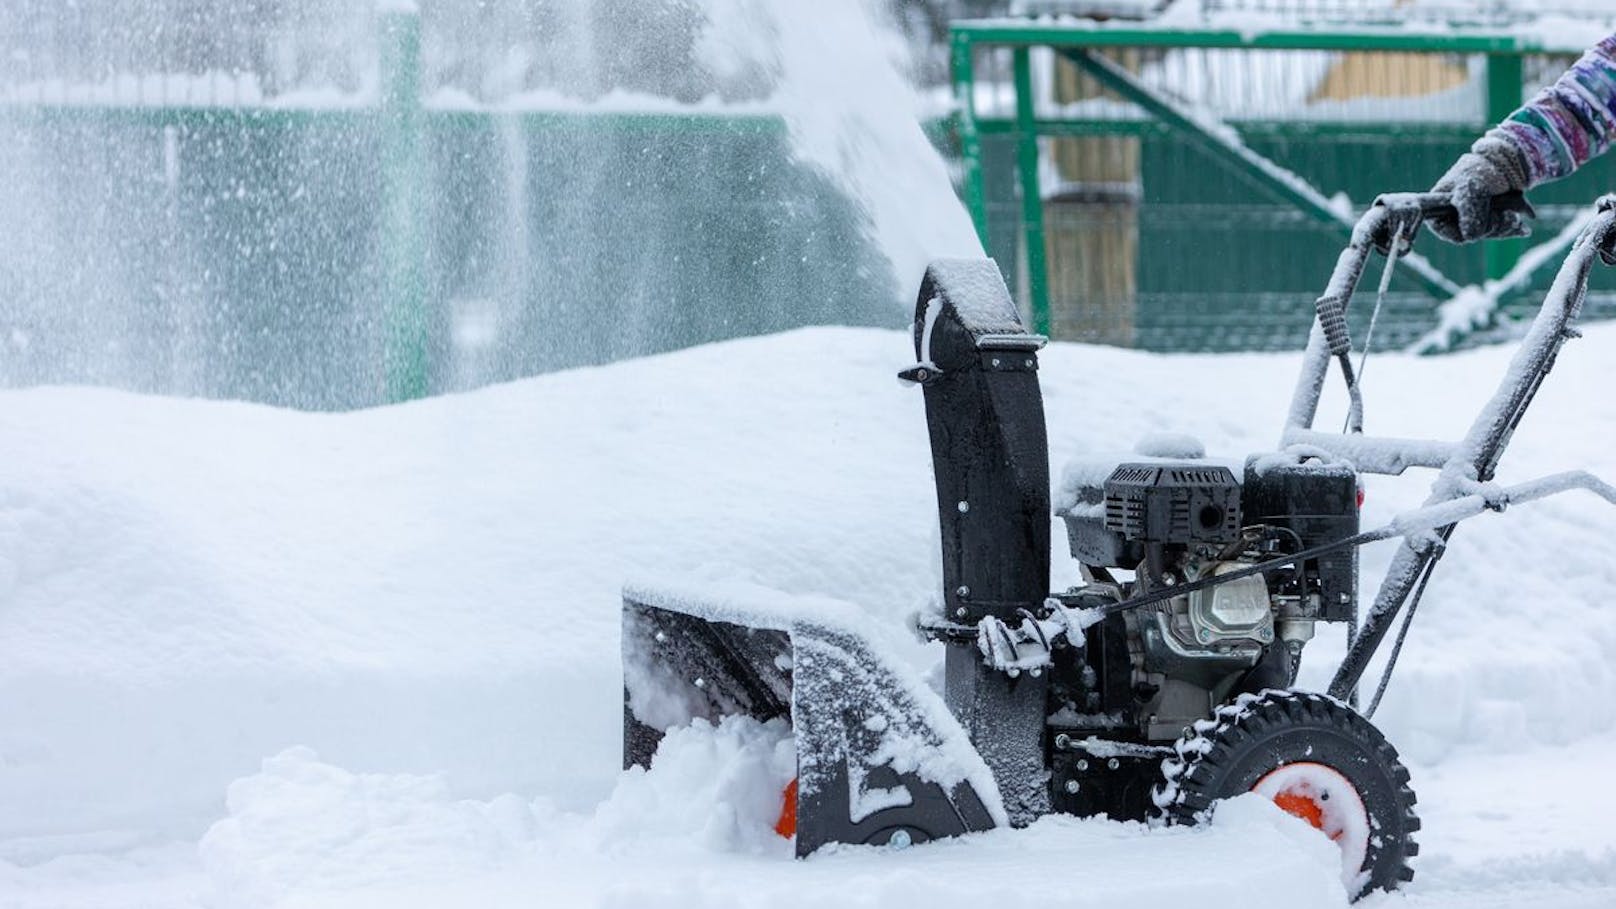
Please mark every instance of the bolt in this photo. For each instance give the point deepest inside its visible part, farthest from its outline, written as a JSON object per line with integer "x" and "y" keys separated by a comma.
{"x": 701, "y": 683}
{"x": 1027, "y": 362}
{"x": 1082, "y": 764}
{"x": 661, "y": 638}
{"x": 963, "y": 591}
{"x": 1203, "y": 636}
{"x": 1013, "y": 672}
{"x": 1035, "y": 672}
{"x": 962, "y": 612}
{"x": 900, "y": 840}
{"x": 964, "y": 507}
{"x": 1113, "y": 764}
{"x": 1062, "y": 742}
{"x": 1072, "y": 786}
{"x": 995, "y": 361}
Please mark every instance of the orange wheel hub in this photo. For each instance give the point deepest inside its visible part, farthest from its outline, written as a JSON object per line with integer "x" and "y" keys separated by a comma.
{"x": 1329, "y": 802}
{"x": 1304, "y": 807}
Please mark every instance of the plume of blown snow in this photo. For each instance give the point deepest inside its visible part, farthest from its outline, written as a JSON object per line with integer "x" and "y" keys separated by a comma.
{"x": 837, "y": 73}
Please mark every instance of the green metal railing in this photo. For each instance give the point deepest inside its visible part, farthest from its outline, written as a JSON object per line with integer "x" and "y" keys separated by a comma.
{"x": 1159, "y": 119}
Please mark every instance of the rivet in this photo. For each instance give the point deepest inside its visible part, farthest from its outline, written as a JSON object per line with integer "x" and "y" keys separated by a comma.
{"x": 962, "y": 612}
{"x": 1062, "y": 742}
{"x": 1082, "y": 764}
{"x": 995, "y": 361}
{"x": 1113, "y": 764}
{"x": 964, "y": 506}
{"x": 962, "y": 590}
{"x": 701, "y": 683}
{"x": 1072, "y": 786}
{"x": 900, "y": 840}
{"x": 661, "y": 638}
{"x": 1027, "y": 363}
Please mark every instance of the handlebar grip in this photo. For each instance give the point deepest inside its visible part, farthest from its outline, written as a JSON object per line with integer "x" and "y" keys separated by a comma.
{"x": 1514, "y": 200}
{"x": 1442, "y": 203}
{"x": 1332, "y": 312}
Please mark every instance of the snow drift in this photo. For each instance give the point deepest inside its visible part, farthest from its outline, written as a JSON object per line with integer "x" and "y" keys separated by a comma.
{"x": 432, "y": 591}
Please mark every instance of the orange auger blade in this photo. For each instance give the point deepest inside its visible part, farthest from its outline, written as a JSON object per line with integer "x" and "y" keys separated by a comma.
{"x": 786, "y": 826}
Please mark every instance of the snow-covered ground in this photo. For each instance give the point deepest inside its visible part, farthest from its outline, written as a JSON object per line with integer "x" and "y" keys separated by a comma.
{"x": 252, "y": 657}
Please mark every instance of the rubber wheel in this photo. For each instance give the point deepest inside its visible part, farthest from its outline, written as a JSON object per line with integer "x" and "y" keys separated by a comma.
{"x": 1319, "y": 760}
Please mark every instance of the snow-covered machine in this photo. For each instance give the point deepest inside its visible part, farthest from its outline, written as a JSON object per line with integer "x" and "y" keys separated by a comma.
{"x": 1163, "y": 683}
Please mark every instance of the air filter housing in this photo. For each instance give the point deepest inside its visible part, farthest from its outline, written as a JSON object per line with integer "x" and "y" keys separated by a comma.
{"x": 1173, "y": 503}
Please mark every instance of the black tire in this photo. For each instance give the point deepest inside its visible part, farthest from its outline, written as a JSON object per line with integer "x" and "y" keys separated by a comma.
{"x": 1257, "y": 734}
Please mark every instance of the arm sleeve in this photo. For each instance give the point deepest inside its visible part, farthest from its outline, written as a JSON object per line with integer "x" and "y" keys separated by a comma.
{"x": 1569, "y": 122}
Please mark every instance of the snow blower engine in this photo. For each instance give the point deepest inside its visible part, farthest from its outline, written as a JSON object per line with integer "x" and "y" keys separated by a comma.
{"x": 1162, "y": 684}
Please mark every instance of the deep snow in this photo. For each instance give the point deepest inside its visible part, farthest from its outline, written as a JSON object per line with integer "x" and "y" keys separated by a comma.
{"x": 426, "y": 596}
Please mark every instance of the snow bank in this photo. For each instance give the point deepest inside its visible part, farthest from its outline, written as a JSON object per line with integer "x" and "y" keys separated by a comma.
{"x": 300, "y": 824}
{"x": 188, "y": 586}
{"x": 710, "y": 788}
{"x": 300, "y": 820}
{"x": 695, "y": 830}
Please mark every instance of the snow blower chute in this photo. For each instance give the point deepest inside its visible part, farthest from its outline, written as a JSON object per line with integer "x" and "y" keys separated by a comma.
{"x": 1161, "y": 685}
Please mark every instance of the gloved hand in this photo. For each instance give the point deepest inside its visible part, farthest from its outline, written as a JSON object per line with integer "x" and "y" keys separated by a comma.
{"x": 1491, "y": 168}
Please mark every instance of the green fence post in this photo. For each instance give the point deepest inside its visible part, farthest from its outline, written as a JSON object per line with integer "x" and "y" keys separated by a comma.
{"x": 964, "y": 74}
{"x": 1505, "y": 77}
{"x": 403, "y": 247}
{"x": 1032, "y": 199}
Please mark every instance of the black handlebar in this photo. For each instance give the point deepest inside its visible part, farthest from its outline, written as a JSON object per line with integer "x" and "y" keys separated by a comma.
{"x": 1431, "y": 204}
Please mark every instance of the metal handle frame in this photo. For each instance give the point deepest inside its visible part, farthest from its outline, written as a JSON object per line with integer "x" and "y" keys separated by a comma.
{"x": 1473, "y": 460}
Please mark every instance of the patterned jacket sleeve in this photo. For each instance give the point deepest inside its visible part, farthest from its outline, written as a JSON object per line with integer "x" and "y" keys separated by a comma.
{"x": 1570, "y": 121}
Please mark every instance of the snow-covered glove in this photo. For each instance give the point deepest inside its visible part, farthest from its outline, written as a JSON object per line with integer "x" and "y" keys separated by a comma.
{"x": 1492, "y": 169}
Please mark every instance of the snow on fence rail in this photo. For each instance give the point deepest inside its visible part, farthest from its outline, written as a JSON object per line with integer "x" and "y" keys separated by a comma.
{"x": 320, "y": 53}
{"x": 1470, "y": 12}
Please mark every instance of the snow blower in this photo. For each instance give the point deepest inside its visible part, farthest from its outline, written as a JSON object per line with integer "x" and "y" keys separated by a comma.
{"x": 1161, "y": 685}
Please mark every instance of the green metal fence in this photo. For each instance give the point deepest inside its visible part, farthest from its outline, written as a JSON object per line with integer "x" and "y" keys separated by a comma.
{"x": 348, "y": 255}
{"x": 1168, "y": 240}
